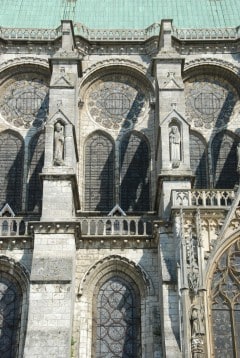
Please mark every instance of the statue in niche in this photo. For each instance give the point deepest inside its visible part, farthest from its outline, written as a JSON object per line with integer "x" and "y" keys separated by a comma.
{"x": 58, "y": 144}
{"x": 175, "y": 143}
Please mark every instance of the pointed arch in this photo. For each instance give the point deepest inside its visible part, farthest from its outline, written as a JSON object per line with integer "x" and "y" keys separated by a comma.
{"x": 224, "y": 300}
{"x": 134, "y": 172}
{"x": 99, "y": 172}
{"x": 127, "y": 283}
{"x": 224, "y": 159}
{"x": 14, "y": 282}
{"x": 11, "y": 169}
{"x": 35, "y": 165}
{"x": 198, "y": 160}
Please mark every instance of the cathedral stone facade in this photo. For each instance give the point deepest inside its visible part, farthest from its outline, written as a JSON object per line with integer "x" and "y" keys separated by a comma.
{"x": 119, "y": 199}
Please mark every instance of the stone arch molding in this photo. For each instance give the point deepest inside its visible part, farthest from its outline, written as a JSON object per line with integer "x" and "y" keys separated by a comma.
{"x": 111, "y": 265}
{"x": 212, "y": 62}
{"x": 17, "y": 61}
{"x": 20, "y": 273}
{"x": 102, "y": 67}
{"x": 116, "y": 62}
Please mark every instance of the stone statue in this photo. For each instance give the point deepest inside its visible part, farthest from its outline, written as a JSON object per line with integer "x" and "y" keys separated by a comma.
{"x": 197, "y": 318}
{"x": 59, "y": 144}
{"x": 175, "y": 142}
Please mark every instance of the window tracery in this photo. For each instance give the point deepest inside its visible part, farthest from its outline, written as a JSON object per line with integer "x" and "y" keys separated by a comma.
{"x": 117, "y": 320}
{"x": 210, "y": 101}
{"x": 99, "y": 173}
{"x": 225, "y": 297}
{"x": 24, "y": 100}
{"x": 10, "y": 310}
{"x": 117, "y": 101}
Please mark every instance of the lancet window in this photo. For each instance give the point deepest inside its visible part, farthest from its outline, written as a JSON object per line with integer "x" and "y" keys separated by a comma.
{"x": 36, "y": 161}
{"x": 224, "y": 156}
{"x": 198, "y": 161}
{"x": 117, "y": 320}
{"x": 11, "y": 170}
{"x": 134, "y": 173}
{"x": 99, "y": 173}
{"x": 10, "y": 316}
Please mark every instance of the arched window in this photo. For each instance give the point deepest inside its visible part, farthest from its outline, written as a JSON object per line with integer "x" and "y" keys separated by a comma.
{"x": 99, "y": 173}
{"x": 116, "y": 321}
{"x": 198, "y": 161}
{"x": 224, "y": 154}
{"x": 36, "y": 161}
{"x": 134, "y": 173}
{"x": 13, "y": 318}
{"x": 225, "y": 297}
{"x": 11, "y": 170}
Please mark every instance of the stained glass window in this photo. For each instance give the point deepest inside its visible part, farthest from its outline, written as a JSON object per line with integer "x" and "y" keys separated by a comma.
{"x": 10, "y": 312}
{"x": 36, "y": 161}
{"x": 224, "y": 153}
{"x": 11, "y": 170}
{"x": 134, "y": 173}
{"x": 99, "y": 173}
{"x": 225, "y": 293}
{"x": 198, "y": 160}
{"x": 117, "y": 320}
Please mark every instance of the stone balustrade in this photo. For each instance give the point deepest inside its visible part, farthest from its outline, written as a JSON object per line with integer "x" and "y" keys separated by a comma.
{"x": 116, "y": 226}
{"x": 29, "y": 34}
{"x": 202, "y": 197}
{"x": 119, "y": 34}
{"x": 205, "y": 34}
{"x": 13, "y": 226}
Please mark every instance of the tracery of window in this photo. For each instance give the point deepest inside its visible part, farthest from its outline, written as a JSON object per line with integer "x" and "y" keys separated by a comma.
{"x": 225, "y": 297}
{"x": 198, "y": 161}
{"x": 24, "y": 99}
{"x": 224, "y": 154}
{"x": 134, "y": 173}
{"x": 116, "y": 320}
{"x": 10, "y": 314}
{"x": 210, "y": 101}
{"x": 117, "y": 101}
{"x": 99, "y": 173}
{"x": 36, "y": 161}
{"x": 11, "y": 170}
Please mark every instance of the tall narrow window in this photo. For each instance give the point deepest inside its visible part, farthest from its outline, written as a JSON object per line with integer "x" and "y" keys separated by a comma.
{"x": 134, "y": 172}
{"x": 224, "y": 153}
{"x": 11, "y": 170}
{"x": 99, "y": 173}
{"x": 198, "y": 160}
{"x": 225, "y": 293}
{"x": 10, "y": 314}
{"x": 117, "y": 320}
{"x": 36, "y": 161}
